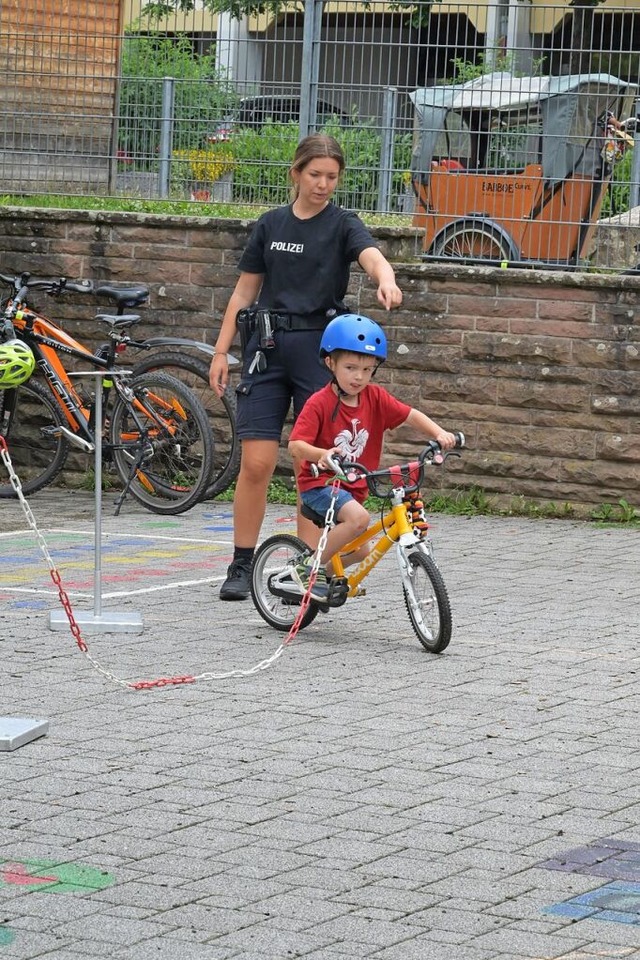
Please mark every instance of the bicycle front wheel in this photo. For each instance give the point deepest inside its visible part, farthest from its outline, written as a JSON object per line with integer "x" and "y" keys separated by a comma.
{"x": 427, "y": 602}
{"x": 30, "y": 417}
{"x": 269, "y": 578}
{"x": 161, "y": 443}
{"x": 221, "y": 412}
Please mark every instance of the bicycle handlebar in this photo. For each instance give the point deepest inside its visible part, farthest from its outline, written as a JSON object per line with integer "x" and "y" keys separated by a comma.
{"x": 24, "y": 282}
{"x": 351, "y": 472}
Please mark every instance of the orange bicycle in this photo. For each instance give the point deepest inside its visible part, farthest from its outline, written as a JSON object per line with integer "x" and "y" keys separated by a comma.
{"x": 401, "y": 524}
{"x": 153, "y": 428}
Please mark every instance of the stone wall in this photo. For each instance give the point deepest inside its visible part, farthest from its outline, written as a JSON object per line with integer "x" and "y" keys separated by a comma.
{"x": 540, "y": 369}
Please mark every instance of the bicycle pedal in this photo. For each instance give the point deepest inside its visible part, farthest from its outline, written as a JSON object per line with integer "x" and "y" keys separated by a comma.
{"x": 338, "y": 591}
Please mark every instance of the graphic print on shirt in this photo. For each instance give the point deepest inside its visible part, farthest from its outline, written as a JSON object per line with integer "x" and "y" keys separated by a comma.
{"x": 351, "y": 443}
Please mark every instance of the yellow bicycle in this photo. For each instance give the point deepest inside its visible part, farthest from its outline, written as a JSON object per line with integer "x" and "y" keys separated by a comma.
{"x": 401, "y": 524}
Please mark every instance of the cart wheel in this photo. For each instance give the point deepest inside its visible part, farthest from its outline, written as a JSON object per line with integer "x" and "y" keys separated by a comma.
{"x": 473, "y": 241}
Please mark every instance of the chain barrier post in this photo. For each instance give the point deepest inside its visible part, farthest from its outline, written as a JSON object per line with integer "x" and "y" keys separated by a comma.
{"x": 99, "y": 621}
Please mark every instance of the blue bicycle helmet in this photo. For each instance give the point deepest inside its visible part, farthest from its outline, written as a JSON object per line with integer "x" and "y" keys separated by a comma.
{"x": 356, "y": 334}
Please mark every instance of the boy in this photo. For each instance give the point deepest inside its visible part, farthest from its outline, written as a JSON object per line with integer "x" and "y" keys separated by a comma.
{"x": 348, "y": 417}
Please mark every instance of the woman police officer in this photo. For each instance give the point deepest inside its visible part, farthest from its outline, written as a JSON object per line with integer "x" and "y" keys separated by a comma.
{"x": 295, "y": 269}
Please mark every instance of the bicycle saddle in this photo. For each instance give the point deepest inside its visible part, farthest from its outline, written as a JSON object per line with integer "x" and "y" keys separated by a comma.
{"x": 123, "y": 296}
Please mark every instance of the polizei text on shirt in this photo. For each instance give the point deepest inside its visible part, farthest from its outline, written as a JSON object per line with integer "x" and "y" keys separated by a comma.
{"x": 287, "y": 247}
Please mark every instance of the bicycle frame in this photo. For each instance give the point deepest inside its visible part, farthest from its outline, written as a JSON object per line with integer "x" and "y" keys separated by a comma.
{"x": 394, "y": 527}
{"x": 47, "y": 340}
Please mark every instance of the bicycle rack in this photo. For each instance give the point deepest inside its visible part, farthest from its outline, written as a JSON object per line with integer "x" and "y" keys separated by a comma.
{"x": 99, "y": 621}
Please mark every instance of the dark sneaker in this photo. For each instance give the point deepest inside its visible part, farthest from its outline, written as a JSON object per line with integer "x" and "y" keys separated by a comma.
{"x": 301, "y": 575}
{"x": 237, "y": 586}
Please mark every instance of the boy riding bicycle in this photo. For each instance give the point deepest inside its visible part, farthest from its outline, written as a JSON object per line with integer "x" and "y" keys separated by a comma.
{"x": 348, "y": 418}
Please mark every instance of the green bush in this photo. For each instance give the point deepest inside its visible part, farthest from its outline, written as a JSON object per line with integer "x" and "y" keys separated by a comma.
{"x": 262, "y": 162}
{"x": 263, "y": 159}
{"x": 202, "y": 97}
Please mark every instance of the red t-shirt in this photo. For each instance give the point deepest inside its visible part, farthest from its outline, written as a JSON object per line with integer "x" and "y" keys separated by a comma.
{"x": 357, "y": 431}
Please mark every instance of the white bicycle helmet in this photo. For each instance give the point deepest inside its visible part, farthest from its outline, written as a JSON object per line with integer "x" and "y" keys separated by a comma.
{"x": 17, "y": 363}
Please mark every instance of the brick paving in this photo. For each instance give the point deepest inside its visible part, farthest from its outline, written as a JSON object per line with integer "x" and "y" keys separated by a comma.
{"x": 360, "y": 798}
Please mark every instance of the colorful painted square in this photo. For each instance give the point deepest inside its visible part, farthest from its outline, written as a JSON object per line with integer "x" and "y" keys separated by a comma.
{"x": 618, "y": 902}
{"x": 609, "y": 858}
{"x": 53, "y": 877}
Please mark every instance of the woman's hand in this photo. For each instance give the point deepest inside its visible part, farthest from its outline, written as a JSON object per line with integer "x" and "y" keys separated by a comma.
{"x": 381, "y": 272}
{"x": 244, "y": 294}
{"x": 389, "y": 295}
{"x": 219, "y": 373}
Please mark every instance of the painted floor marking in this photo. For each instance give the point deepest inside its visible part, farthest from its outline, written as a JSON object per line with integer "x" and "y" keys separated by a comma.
{"x": 616, "y": 860}
{"x": 617, "y": 902}
{"x": 610, "y": 858}
{"x": 53, "y": 877}
{"x": 119, "y": 538}
{"x": 133, "y": 560}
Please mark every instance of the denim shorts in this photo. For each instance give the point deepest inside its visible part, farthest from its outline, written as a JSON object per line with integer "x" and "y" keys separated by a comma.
{"x": 293, "y": 372}
{"x": 319, "y": 498}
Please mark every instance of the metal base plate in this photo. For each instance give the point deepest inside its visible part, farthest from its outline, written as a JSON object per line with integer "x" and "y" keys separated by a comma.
{"x": 107, "y": 622}
{"x": 16, "y": 731}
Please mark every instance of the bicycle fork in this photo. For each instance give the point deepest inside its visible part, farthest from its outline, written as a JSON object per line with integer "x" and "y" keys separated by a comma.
{"x": 144, "y": 444}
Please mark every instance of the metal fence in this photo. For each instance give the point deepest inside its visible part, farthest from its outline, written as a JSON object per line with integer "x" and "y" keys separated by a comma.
{"x": 505, "y": 132}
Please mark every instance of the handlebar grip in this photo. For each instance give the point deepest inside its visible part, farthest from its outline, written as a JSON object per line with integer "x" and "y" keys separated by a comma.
{"x": 334, "y": 462}
{"x": 7, "y": 330}
{"x": 460, "y": 438}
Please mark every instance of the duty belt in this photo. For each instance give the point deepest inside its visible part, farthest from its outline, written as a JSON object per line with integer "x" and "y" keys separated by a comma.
{"x": 268, "y": 322}
{"x": 299, "y": 321}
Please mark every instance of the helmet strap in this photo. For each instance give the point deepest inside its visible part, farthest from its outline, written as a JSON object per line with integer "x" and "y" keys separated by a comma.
{"x": 341, "y": 393}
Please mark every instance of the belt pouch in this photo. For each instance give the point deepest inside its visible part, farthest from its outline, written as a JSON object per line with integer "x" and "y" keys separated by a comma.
{"x": 246, "y": 323}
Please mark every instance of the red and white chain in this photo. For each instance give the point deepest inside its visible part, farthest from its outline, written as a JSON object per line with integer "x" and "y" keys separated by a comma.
{"x": 315, "y": 566}
{"x": 160, "y": 681}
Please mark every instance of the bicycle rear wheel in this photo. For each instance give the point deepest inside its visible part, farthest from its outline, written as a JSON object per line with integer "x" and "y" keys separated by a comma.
{"x": 26, "y": 414}
{"x": 162, "y": 444}
{"x": 272, "y": 558}
{"x": 427, "y": 602}
{"x": 221, "y": 411}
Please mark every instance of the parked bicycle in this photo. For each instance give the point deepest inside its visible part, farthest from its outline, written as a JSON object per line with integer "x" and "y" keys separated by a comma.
{"x": 401, "y": 524}
{"x": 154, "y": 430}
{"x": 187, "y": 360}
